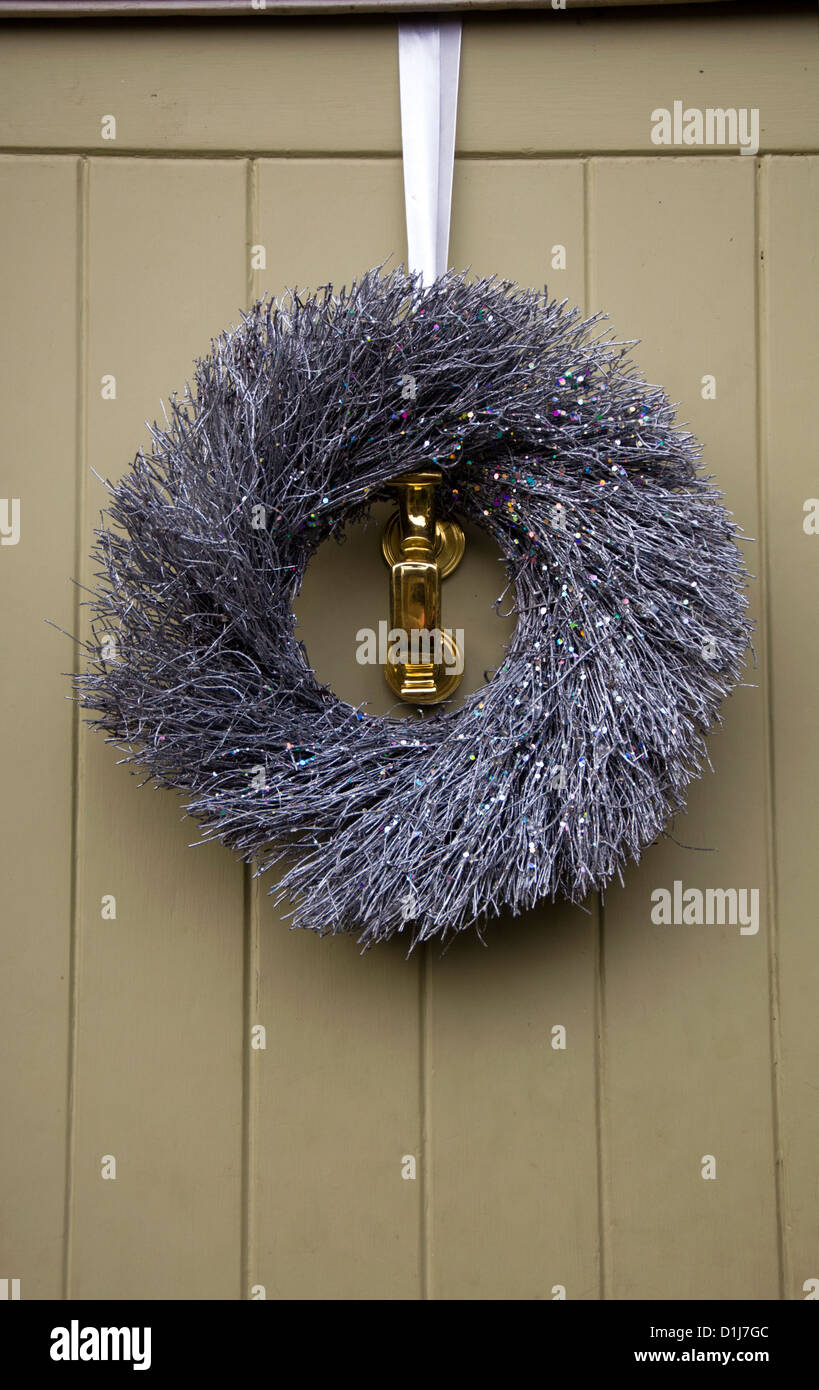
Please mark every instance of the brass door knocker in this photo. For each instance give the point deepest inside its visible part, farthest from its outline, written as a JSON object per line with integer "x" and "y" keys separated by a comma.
{"x": 424, "y": 663}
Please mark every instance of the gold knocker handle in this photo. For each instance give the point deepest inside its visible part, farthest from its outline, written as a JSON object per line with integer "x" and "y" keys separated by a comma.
{"x": 424, "y": 664}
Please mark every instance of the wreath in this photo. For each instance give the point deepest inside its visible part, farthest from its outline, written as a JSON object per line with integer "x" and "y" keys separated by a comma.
{"x": 628, "y": 586}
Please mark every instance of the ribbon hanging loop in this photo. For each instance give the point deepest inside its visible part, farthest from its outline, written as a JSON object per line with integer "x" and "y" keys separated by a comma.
{"x": 429, "y": 55}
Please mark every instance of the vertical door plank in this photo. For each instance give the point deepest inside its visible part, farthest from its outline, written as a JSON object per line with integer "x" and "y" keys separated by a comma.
{"x": 328, "y": 220}
{"x": 160, "y": 1037}
{"x": 789, "y": 206}
{"x": 687, "y": 1062}
{"x": 512, "y": 1200}
{"x": 337, "y": 1115}
{"x": 510, "y": 217}
{"x": 38, "y": 384}
{"x": 336, "y": 1092}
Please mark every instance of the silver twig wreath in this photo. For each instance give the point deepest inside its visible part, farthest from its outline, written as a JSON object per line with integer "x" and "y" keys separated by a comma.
{"x": 627, "y": 578}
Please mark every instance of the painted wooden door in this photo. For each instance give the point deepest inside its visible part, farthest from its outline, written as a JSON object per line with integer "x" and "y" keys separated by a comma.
{"x": 411, "y": 1128}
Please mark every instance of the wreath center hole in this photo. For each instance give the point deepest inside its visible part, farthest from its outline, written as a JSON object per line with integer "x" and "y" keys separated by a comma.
{"x": 345, "y": 594}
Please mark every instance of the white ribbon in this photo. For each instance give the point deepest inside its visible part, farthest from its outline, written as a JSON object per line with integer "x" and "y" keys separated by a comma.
{"x": 429, "y": 55}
